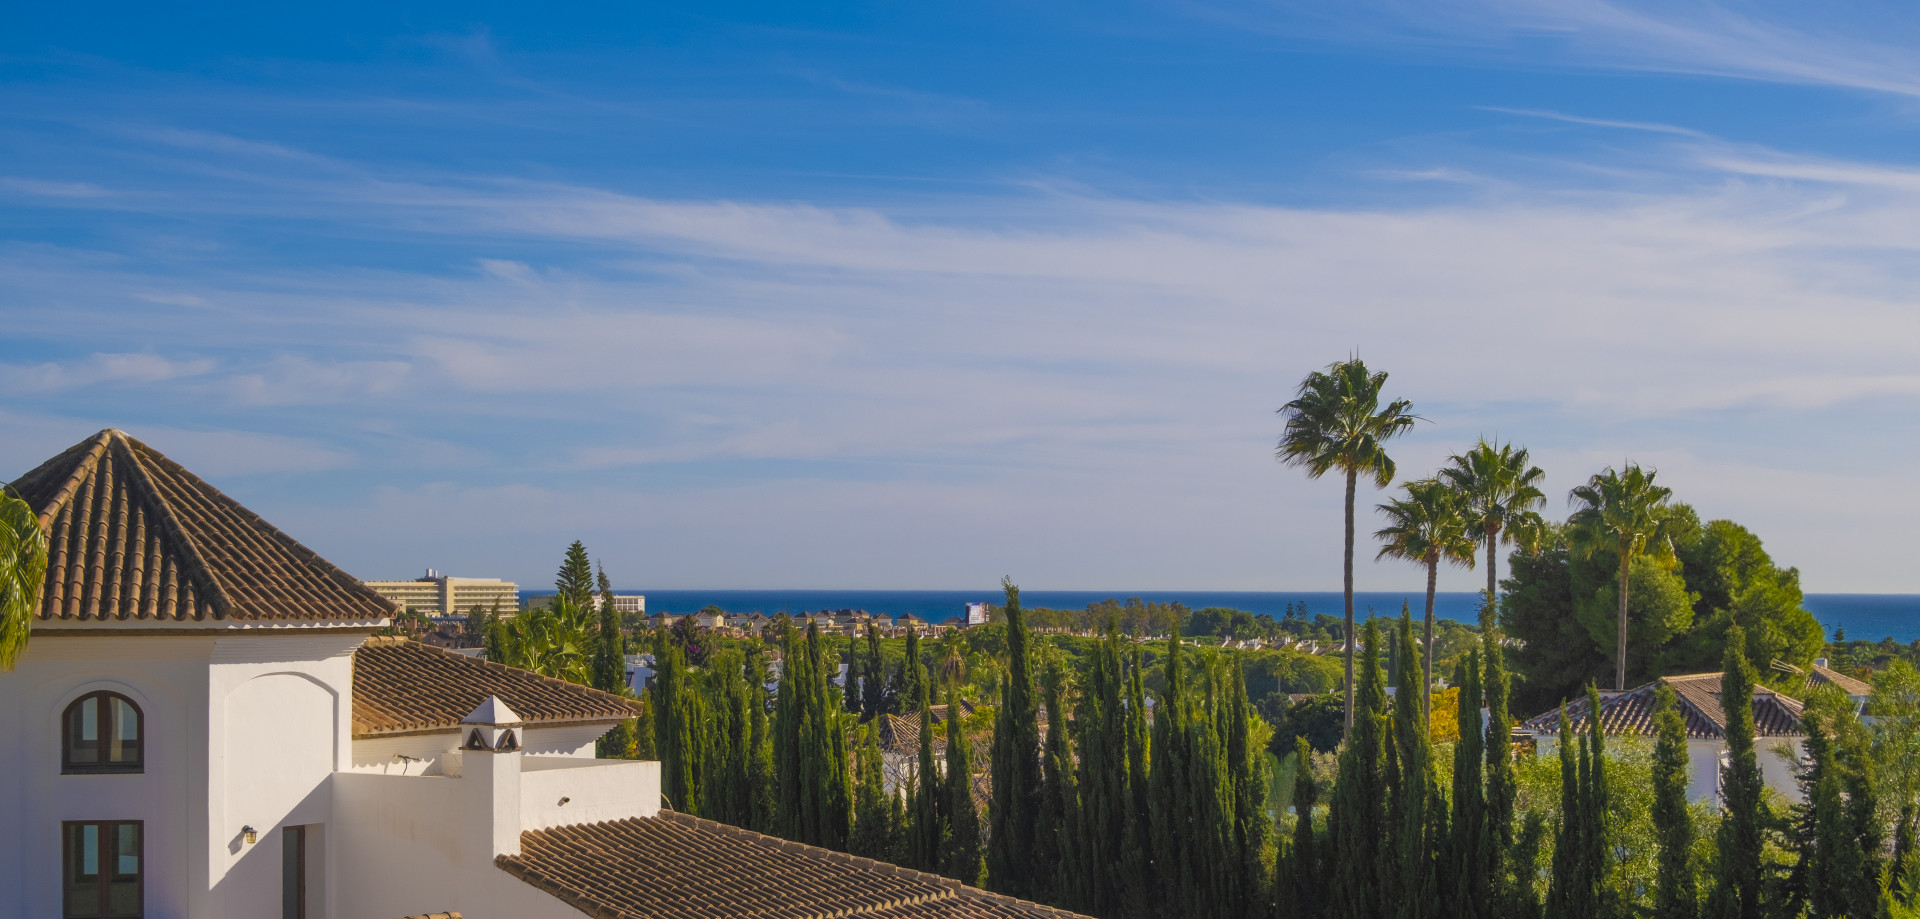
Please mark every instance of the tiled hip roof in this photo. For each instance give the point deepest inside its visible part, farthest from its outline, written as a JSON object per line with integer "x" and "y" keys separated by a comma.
{"x": 1698, "y": 695}
{"x": 673, "y": 866}
{"x": 402, "y": 686}
{"x": 133, "y": 536}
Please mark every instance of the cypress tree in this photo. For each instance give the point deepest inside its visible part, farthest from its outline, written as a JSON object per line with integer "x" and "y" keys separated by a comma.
{"x": 913, "y": 671}
{"x": 1597, "y": 808}
{"x": 924, "y": 829}
{"x": 873, "y": 698}
{"x": 672, "y": 727}
{"x": 850, "y": 701}
{"x": 1098, "y": 883}
{"x": 1419, "y": 891}
{"x": 574, "y": 581}
{"x": 609, "y": 653}
{"x": 1467, "y": 878}
{"x": 1172, "y": 811}
{"x": 1250, "y": 775}
{"x": 1675, "y": 893}
{"x": 1565, "y": 897}
{"x": 722, "y": 733}
{"x": 810, "y": 748}
{"x": 1304, "y": 884}
{"x": 1014, "y": 814}
{"x": 1837, "y": 833}
{"x": 963, "y": 856}
{"x": 1058, "y": 793}
{"x": 1737, "y": 881}
{"x": 1510, "y": 877}
{"x": 1137, "y": 859}
{"x": 763, "y": 808}
{"x": 1359, "y": 836}
{"x": 872, "y": 834}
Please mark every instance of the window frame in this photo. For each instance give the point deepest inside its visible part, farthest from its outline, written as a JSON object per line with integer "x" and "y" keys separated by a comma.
{"x": 107, "y": 832}
{"x": 105, "y": 697}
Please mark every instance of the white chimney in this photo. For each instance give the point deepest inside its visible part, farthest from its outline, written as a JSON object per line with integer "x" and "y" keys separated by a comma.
{"x": 1819, "y": 662}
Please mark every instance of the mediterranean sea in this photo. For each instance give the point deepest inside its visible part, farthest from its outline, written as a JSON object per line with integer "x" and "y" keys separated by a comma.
{"x": 1863, "y": 616}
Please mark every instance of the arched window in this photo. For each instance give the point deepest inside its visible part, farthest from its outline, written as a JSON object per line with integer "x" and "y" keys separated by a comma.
{"x": 102, "y": 732}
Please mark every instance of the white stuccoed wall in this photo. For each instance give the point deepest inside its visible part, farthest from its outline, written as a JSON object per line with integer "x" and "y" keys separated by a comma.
{"x": 243, "y": 726}
{"x": 416, "y": 844}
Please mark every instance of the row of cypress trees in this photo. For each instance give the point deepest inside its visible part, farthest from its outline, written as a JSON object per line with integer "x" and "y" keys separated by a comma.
{"x": 1130, "y": 807}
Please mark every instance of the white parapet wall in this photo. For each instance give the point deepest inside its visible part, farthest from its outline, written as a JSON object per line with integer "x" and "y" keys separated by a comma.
{"x": 412, "y": 844}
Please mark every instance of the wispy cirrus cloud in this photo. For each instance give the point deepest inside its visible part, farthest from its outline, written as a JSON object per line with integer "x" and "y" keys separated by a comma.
{"x": 1869, "y": 48}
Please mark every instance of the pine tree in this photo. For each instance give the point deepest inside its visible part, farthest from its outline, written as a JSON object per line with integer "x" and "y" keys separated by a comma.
{"x": 574, "y": 581}
{"x": 1737, "y": 879}
{"x": 964, "y": 861}
{"x": 1675, "y": 892}
{"x": 1419, "y": 889}
{"x": 872, "y": 812}
{"x": 1359, "y": 836}
{"x": 1304, "y": 885}
{"x": 1014, "y": 814}
{"x": 1467, "y": 884}
{"x": 1512, "y": 892}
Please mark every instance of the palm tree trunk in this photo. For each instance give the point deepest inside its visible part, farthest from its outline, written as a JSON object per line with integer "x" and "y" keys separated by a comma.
{"x": 1433, "y": 573}
{"x": 1493, "y": 544}
{"x": 1347, "y": 584}
{"x": 1620, "y": 659}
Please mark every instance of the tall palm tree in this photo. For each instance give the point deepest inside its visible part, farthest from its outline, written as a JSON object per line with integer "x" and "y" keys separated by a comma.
{"x": 1427, "y": 526}
{"x": 23, "y": 569}
{"x": 1335, "y": 421}
{"x": 1502, "y": 494}
{"x": 1623, "y": 511}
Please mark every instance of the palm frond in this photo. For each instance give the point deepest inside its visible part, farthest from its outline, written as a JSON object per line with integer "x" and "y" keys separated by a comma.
{"x": 23, "y": 569}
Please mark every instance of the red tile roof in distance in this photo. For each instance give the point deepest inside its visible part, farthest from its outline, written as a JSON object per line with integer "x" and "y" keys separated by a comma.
{"x": 401, "y": 686}
{"x": 674, "y": 865}
{"x": 132, "y": 536}
{"x": 1631, "y": 712}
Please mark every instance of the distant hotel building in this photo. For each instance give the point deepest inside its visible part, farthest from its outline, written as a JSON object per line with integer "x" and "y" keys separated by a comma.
{"x": 622, "y": 603}
{"x": 438, "y": 595}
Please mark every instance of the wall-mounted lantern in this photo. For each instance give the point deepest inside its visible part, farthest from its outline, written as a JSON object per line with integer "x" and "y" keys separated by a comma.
{"x": 247, "y": 833}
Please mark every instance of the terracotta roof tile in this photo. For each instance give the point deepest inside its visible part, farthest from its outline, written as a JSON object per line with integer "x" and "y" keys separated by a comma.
{"x": 133, "y": 536}
{"x": 1822, "y": 676}
{"x": 402, "y": 686}
{"x": 1631, "y": 712}
{"x": 673, "y": 866}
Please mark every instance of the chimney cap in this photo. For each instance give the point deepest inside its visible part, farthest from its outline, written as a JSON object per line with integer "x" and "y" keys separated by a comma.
{"x": 492, "y": 711}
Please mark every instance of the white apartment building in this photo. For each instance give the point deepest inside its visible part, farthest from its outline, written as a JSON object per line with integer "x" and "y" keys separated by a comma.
{"x": 435, "y": 594}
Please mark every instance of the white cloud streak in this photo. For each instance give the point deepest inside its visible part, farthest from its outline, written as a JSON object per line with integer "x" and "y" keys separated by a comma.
{"x": 1078, "y": 385}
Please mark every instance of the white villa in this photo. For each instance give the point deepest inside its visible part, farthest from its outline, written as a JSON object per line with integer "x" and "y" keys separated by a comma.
{"x": 1779, "y": 739}
{"x": 204, "y": 725}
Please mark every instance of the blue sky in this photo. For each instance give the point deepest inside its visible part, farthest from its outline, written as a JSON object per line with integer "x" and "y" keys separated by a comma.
{"x": 916, "y": 295}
